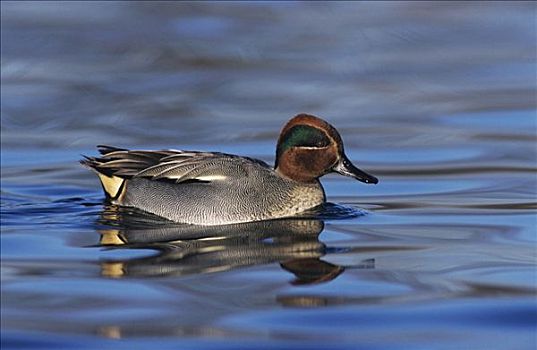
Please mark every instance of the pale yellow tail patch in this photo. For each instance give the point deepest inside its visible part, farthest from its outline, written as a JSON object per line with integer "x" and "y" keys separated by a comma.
{"x": 113, "y": 186}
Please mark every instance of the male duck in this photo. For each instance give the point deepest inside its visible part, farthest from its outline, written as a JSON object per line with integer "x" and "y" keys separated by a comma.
{"x": 210, "y": 188}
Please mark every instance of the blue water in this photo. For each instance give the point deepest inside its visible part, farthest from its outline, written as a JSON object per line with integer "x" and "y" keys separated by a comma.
{"x": 435, "y": 99}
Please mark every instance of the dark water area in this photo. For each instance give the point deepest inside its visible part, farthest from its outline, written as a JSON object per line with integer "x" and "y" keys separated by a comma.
{"x": 438, "y": 100}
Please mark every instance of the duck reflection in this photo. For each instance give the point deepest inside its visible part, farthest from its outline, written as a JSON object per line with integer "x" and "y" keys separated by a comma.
{"x": 191, "y": 249}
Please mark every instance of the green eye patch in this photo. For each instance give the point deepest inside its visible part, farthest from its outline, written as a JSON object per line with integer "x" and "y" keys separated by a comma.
{"x": 303, "y": 136}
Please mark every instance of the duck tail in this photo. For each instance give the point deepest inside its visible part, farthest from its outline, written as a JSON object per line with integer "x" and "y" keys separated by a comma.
{"x": 113, "y": 186}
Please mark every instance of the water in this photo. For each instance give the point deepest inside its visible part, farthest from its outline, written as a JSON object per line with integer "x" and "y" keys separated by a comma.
{"x": 436, "y": 99}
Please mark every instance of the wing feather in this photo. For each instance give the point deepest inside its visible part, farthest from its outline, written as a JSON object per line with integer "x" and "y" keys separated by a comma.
{"x": 169, "y": 165}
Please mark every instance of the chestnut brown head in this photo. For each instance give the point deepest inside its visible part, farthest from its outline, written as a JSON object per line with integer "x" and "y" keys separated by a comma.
{"x": 309, "y": 147}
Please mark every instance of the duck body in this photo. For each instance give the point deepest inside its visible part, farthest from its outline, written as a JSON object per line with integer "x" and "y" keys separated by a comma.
{"x": 211, "y": 188}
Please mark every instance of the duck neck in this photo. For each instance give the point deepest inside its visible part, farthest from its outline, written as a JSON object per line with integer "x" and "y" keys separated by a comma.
{"x": 294, "y": 175}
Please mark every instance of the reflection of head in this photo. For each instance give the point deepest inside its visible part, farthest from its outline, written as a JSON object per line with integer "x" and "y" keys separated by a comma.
{"x": 309, "y": 271}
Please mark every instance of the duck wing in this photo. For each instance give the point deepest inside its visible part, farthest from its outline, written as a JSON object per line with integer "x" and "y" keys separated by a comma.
{"x": 170, "y": 165}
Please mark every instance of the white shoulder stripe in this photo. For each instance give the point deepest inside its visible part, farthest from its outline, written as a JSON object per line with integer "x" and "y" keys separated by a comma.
{"x": 211, "y": 178}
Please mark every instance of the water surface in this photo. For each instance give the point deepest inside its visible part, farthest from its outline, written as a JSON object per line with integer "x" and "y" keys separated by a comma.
{"x": 436, "y": 99}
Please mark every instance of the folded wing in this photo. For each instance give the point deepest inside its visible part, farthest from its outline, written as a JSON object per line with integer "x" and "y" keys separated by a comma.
{"x": 169, "y": 165}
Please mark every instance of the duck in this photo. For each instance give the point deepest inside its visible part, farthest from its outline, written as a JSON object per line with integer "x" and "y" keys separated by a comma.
{"x": 214, "y": 188}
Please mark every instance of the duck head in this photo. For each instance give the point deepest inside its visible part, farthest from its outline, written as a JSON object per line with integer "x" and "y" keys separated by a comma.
{"x": 309, "y": 147}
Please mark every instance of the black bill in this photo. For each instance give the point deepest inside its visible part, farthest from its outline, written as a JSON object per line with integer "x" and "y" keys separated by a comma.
{"x": 346, "y": 168}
